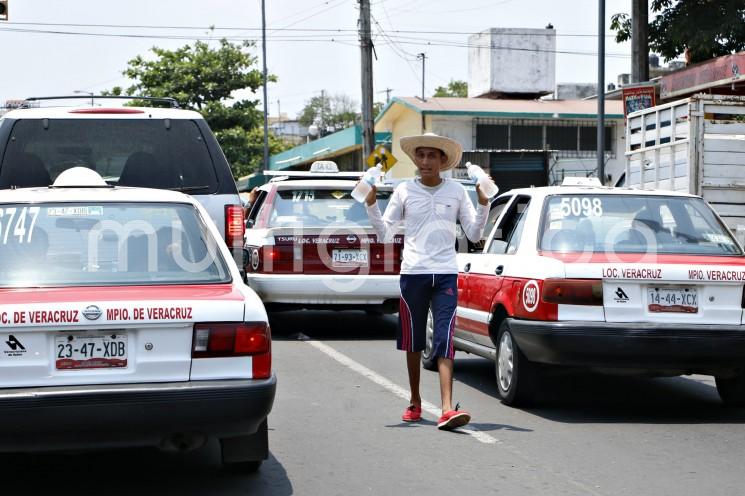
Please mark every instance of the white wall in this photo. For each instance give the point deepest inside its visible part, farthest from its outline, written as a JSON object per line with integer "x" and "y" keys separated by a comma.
{"x": 523, "y": 61}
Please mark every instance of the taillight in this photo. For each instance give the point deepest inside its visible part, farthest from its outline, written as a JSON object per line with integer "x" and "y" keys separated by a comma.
{"x": 252, "y": 339}
{"x": 573, "y": 291}
{"x": 235, "y": 225}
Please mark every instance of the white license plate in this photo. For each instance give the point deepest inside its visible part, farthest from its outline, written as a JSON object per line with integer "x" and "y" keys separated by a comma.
{"x": 676, "y": 300}
{"x": 87, "y": 351}
{"x": 349, "y": 257}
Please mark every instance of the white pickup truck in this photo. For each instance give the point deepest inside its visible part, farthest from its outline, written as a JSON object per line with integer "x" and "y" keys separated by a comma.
{"x": 695, "y": 145}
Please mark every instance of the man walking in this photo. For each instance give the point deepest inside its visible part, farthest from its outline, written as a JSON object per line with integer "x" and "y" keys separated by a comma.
{"x": 428, "y": 208}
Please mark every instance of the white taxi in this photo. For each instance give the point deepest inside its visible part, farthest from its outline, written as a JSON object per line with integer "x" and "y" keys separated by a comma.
{"x": 311, "y": 245}
{"x": 124, "y": 321}
{"x": 612, "y": 280}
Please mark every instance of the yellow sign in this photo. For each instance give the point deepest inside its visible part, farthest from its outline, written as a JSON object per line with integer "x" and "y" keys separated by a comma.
{"x": 381, "y": 155}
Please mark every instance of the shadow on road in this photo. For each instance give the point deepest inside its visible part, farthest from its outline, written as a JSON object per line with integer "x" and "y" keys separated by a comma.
{"x": 330, "y": 325}
{"x": 138, "y": 471}
{"x": 577, "y": 397}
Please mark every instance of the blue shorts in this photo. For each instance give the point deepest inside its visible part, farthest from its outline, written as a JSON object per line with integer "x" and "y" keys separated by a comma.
{"x": 418, "y": 293}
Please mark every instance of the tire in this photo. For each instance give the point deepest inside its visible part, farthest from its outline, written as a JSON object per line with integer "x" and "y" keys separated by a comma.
{"x": 244, "y": 454}
{"x": 243, "y": 467}
{"x": 732, "y": 389}
{"x": 517, "y": 378}
{"x": 429, "y": 362}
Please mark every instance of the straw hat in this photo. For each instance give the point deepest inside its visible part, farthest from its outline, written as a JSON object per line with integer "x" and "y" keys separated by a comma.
{"x": 449, "y": 147}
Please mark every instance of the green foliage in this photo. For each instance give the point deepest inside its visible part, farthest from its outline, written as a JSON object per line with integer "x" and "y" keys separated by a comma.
{"x": 377, "y": 108}
{"x": 455, "y": 88}
{"x": 329, "y": 113}
{"x": 203, "y": 78}
{"x": 706, "y": 28}
{"x": 247, "y": 148}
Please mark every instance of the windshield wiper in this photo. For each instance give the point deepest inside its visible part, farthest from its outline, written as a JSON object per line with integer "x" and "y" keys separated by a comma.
{"x": 190, "y": 189}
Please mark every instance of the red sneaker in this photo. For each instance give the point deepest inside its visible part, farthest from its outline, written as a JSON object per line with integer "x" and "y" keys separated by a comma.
{"x": 452, "y": 419}
{"x": 413, "y": 413}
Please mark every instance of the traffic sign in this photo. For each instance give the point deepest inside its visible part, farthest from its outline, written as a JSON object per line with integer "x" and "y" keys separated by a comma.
{"x": 381, "y": 155}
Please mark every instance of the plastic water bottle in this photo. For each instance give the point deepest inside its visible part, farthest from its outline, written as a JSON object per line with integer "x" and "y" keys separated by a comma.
{"x": 362, "y": 189}
{"x": 486, "y": 185}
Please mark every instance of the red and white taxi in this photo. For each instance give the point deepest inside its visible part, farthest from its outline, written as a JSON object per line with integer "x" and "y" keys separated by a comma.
{"x": 614, "y": 280}
{"x": 311, "y": 245}
{"x": 124, "y": 321}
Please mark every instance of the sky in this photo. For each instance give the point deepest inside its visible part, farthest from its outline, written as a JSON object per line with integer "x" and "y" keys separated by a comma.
{"x": 52, "y": 47}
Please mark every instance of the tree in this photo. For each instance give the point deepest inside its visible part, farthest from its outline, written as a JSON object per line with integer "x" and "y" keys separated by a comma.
{"x": 706, "y": 28}
{"x": 455, "y": 88}
{"x": 330, "y": 113}
{"x": 204, "y": 79}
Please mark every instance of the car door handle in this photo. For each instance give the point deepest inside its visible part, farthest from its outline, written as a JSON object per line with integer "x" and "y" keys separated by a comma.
{"x": 467, "y": 267}
{"x": 499, "y": 270}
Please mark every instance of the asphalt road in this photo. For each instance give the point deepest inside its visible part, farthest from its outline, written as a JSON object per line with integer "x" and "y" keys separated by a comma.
{"x": 336, "y": 429}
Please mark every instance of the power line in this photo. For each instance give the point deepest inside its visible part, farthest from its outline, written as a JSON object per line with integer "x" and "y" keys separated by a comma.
{"x": 392, "y": 40}
{"x": 321, "y": 30}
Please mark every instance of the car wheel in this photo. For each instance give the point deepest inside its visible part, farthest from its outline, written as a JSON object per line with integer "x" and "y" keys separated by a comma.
{"x": 732, "y": 389}
{"x": 429, "y": 361}
{"x": 243, "y": 467}
{"x": 517, "y": 378}
{"x": 244, "y": 454}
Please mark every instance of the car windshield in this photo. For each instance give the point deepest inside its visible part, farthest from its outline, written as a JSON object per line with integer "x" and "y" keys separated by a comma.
{"x": 633, "y": 224}
{"x": 158, "y": 153}
{"x": 106, "y": 244}
{"x": 320, "y": 207}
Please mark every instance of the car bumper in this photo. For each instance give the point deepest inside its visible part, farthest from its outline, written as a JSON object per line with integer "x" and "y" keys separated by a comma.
{"x": 85, "y": 417}
{"x": 331, "y": 289}
{"x": 631, "y": 345}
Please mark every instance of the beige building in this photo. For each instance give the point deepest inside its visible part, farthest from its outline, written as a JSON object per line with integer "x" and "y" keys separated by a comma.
{"x": 494, "y": 132}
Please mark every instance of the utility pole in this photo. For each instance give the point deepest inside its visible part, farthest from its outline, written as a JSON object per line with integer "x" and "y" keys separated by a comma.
{"x": 601, "y": 91}
{"x": 266, "y": 101}
{"x": 387, "y": 92}
{"x": 639, "y": 41}
{"x": 368, "y": 129}
{"x": 423, "y": 57}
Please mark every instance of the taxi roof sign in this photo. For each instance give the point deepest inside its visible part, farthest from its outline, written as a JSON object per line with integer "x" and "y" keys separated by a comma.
{"x": 324, "y": 166}
{"x": 381, "y": 155}
{"x": 581, "y": 181}
{"x": 79, "y": 177}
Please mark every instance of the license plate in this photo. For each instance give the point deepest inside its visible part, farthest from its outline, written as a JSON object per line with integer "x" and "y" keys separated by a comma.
{"x": 349, "y": 257}
{"x": 676, "y": 300}
{"x": 86, "y": 351}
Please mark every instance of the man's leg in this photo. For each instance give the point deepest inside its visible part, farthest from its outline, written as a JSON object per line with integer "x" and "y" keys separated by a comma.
{"x": 413, "y": 359}
{"x": 444, "y": 303}
{"x": 445, "y": 368}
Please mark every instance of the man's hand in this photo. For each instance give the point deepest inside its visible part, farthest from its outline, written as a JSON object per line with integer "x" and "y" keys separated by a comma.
{"x": 371, "y": 196}
{"x": 483, "y": 199}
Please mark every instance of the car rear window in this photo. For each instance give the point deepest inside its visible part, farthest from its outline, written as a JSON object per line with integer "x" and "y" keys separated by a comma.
{"x": 106, "y": 244}
{"x": 633, "y": 224}
{"x": 320, "y": 207}
{"x": 162, "y": 153}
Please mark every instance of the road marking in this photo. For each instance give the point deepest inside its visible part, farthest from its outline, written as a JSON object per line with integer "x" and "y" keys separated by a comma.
{"x": 378, "y": 379}
{"x": 435, "y": 412}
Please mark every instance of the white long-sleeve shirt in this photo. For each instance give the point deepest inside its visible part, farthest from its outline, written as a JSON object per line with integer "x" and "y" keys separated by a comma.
{"x": 429, "y": 218}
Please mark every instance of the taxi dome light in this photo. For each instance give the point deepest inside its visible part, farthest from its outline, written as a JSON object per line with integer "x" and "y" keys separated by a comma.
{"x": 324, "y": 166}
{"x": 581, "y": 181}
{"x": 79, "y": 177}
